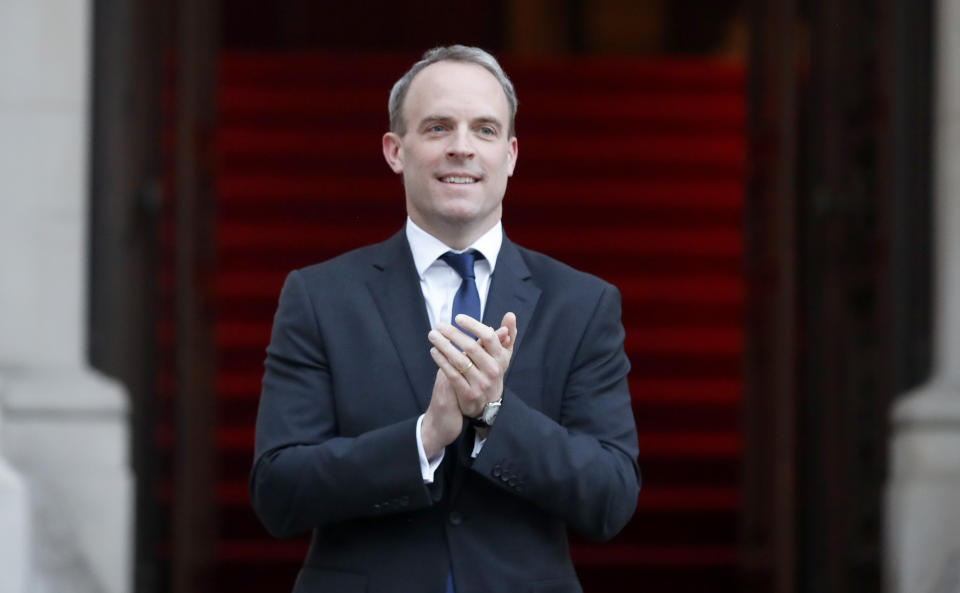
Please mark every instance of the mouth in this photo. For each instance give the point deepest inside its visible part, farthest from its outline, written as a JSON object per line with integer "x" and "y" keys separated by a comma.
{"x": 458, "y": 179}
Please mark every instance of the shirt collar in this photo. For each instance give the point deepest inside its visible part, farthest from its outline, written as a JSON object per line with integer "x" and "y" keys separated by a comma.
{"x": 426, "y": 248}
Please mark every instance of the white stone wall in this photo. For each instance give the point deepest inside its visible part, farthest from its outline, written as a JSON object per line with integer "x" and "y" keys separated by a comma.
{"x": 923, "y": 498}
{"x": 44, "y": 104}
{"x": 65, "y": 485}
{"x": 14, "y": 523}
{"x": 67, "y": 433}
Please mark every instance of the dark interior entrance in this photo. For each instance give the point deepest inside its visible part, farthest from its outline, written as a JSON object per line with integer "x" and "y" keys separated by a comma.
{"x": 755, "y": 187}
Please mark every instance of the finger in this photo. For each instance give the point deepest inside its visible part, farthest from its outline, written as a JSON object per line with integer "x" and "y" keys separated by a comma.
{"x": 510, "y": 322}
{"x": 455, "y": 335}
{"x": 485, "y": 334}
{"x": 503, "y": 334}
{"x": 456, "y": 381}
{"x": 452, "y": 374}
{"x": 456, "y": 324}
{"x": 457, "y": 358}
{"x": 472, "y": 350}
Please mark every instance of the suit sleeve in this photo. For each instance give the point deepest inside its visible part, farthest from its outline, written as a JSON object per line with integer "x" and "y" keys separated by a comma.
{"x": 304, "y": 473}
{"x": 583, "y": 466}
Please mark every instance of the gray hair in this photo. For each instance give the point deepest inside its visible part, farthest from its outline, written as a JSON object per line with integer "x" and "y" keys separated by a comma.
{"x": 452, "y": 53}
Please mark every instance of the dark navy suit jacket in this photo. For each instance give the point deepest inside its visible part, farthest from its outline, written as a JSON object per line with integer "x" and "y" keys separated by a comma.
{"x": 348, "y": 372}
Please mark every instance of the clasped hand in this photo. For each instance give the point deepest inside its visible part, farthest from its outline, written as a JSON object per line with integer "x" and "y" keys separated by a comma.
{"x": 470, "y": 375}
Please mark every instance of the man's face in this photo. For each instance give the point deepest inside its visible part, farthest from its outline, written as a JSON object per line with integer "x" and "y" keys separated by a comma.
{"x": 456, "y": 155}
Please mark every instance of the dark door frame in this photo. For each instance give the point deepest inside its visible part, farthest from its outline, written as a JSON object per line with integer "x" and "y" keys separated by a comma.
{"x": 154, "y": 78}
{"x": 838, "y": 280}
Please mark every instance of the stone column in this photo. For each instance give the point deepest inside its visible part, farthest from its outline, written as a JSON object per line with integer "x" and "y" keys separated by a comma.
{"x": 923, "y": 497}
{"x": 65, "y": 428}
{"x": 14, "y": 523}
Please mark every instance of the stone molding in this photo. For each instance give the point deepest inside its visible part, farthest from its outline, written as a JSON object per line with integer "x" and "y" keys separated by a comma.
{"x": 65, "y": 432}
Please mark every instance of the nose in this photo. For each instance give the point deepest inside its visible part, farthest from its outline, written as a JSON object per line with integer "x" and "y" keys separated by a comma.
{"x": 461, "y": 146}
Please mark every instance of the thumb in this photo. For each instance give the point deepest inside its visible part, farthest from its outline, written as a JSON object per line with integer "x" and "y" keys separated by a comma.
{"x": 507, "y": 332}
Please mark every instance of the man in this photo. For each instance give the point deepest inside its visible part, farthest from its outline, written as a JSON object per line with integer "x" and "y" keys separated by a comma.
{"x": 432, "y": 456}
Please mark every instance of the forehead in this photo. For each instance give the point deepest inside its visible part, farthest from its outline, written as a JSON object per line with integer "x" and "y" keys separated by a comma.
{"x": 455, "y": 88}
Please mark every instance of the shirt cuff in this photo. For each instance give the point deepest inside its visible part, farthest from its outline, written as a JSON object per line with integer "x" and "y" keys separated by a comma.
{"x": 477, "y": 445}
{"x": 427, "y": 466}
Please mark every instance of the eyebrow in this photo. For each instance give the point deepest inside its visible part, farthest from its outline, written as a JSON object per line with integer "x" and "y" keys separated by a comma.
{"x": 440, "y": 117}
{"x": 489, "y": 120}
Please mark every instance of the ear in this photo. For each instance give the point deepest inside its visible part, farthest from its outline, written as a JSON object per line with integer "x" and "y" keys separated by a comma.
{"x": 512, "y": 155}
{"x": 393, "y": 151}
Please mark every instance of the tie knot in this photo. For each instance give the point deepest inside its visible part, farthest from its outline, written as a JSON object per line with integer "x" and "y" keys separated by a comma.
{"x": 462, "y": 262}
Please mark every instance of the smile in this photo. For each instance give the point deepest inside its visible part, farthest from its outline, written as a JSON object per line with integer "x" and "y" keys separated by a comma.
{"x": 457, "y": 179}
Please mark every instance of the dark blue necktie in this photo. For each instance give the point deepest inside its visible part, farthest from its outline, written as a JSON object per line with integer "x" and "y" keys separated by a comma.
{"x": 467, "y": 299}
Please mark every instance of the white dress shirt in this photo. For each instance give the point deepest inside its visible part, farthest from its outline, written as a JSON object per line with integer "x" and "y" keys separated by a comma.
{"x": 439, "y": 283}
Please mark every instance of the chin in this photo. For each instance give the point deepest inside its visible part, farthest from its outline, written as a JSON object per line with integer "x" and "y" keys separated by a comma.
{"x": 461, "y": 210}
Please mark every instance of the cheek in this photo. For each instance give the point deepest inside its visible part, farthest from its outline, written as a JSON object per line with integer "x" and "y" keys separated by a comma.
{"x": 414, "y": 171}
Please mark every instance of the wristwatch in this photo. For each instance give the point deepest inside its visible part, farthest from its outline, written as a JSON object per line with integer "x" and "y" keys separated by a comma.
{"x": 488, "y": 415}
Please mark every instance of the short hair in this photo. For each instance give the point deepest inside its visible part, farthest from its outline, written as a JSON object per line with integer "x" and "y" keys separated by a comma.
{"x": 451, "y": 53}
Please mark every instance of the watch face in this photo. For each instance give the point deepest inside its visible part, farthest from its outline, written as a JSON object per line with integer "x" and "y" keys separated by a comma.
{"x": 490, "y": 412}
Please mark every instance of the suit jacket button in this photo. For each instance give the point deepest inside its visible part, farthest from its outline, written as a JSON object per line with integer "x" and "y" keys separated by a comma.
{"x": 496, "y": 471}
{"x": 455, "y": 518}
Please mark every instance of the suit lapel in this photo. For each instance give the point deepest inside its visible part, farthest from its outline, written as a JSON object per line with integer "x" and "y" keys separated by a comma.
{"x": 396, "y": 289}
{"x": 511, "y": 289}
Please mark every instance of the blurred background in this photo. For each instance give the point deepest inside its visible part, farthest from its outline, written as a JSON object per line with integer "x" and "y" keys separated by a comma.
{"x": 754, "y": 175}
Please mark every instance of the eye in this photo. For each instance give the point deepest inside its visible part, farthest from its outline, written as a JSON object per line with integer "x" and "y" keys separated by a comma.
{"x": 436, "y": 128}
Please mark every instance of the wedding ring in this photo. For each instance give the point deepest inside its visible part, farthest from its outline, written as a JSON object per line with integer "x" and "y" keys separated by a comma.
{"x": 467, "y": 368}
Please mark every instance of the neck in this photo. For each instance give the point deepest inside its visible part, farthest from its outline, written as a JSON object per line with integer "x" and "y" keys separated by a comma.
{"x": 455, "y": 236}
